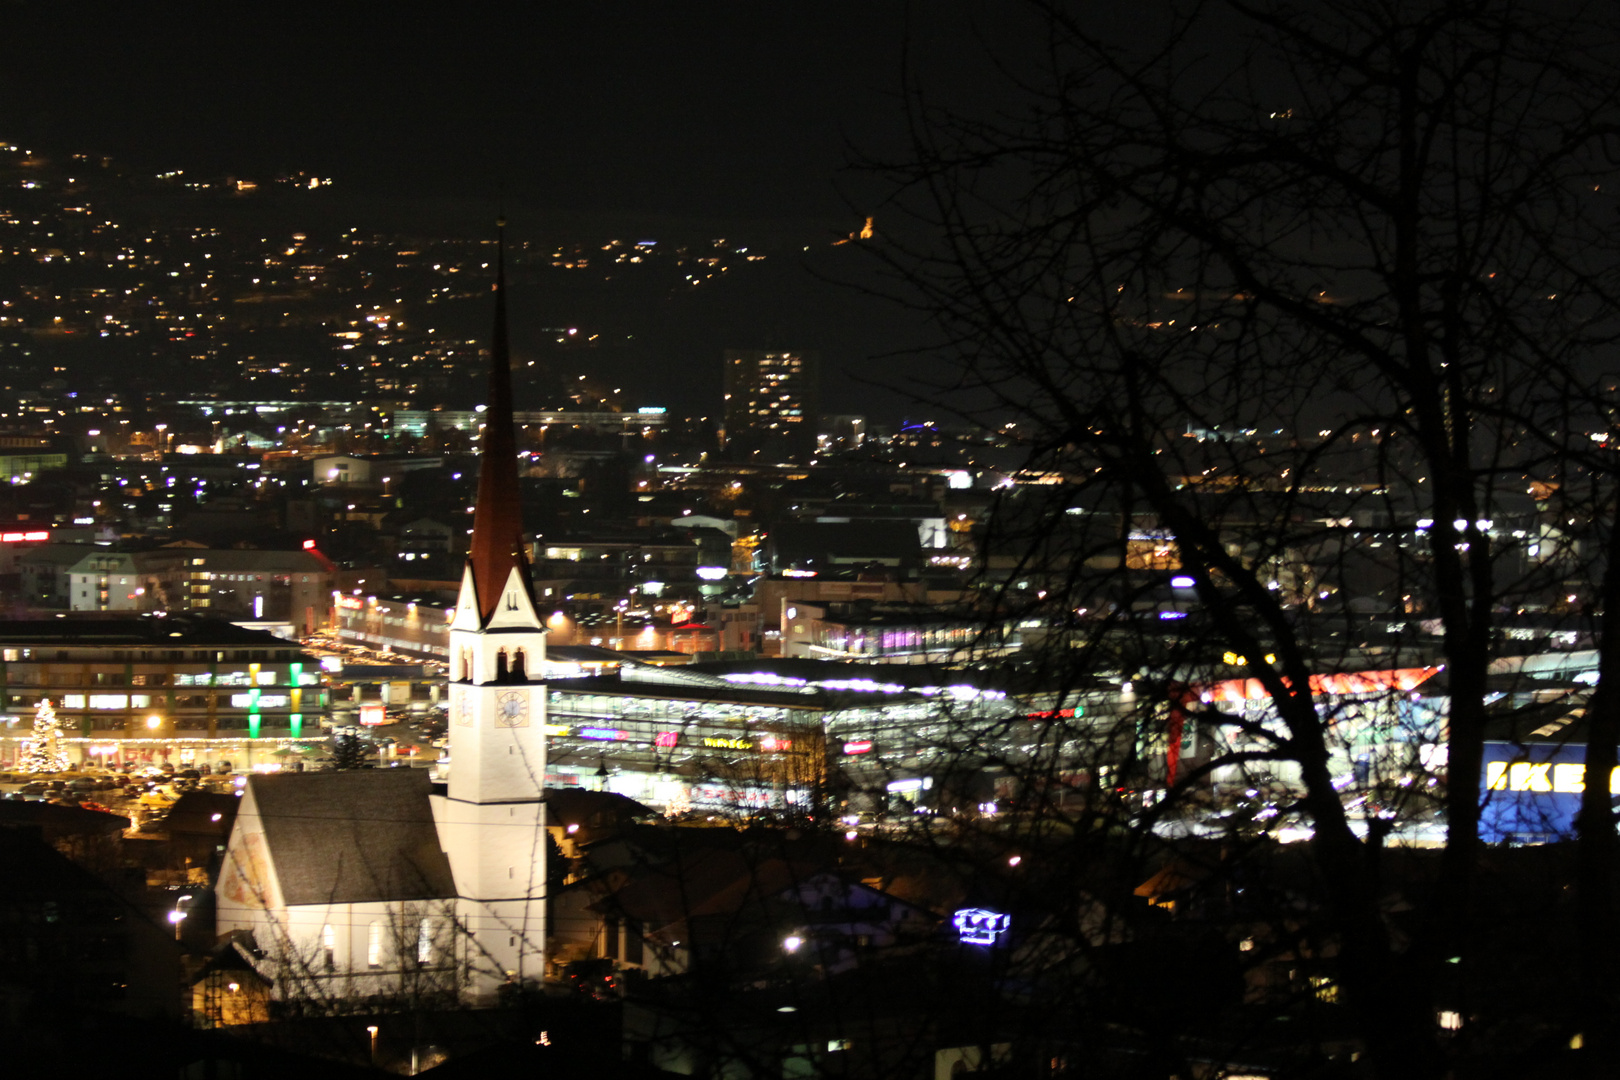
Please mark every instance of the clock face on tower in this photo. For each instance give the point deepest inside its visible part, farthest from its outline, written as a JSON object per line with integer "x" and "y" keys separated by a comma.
{"x": 512, "y": 708}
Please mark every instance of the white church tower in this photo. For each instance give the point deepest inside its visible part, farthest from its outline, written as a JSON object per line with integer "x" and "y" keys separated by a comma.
{"x": 491, "y": 819}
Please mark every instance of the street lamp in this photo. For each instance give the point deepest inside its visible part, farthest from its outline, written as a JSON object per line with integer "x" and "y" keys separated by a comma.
{"x": 178, "y": 917}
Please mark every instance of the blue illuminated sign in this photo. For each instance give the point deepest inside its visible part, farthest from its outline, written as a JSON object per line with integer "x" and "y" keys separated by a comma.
{"x": 977, "y": 926}
{"x": 1533, "y": 791}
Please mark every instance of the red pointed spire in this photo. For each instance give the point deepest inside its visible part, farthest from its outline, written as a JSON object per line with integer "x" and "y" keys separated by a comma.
{"x": 497, "y": 539}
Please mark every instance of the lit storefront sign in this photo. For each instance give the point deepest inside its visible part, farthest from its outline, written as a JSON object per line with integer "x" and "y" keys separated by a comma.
{"x": 372, "y": 714}
{"x": 19, "y": 537}
{"x": 1546, "y": 777}
{"x": 748, "y": 797}
{"x": 601, "y": 734}
{"x": 858, "y": 746}
{"x": 727, "y": 744}
{"x": 1339, "y": 683}
{"x": 979, "y": 926}
{"x": 254, "y": 699}
{"x": 667, "y": 738}
{"x": 1533, "y": 792}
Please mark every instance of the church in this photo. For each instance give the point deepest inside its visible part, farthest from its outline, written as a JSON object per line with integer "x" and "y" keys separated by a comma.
{"x": 380, "y": 884}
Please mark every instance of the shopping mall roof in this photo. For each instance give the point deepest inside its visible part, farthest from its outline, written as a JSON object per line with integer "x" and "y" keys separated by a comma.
{"x": 150, "y": 631}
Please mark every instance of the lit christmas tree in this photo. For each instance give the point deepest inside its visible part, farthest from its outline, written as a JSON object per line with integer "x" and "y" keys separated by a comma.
{"x": 43, "y": 751}
{"x": 680, "y": 804}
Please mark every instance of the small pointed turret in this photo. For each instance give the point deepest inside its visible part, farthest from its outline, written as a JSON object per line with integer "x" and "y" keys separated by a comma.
{"x": 497, "y": 547}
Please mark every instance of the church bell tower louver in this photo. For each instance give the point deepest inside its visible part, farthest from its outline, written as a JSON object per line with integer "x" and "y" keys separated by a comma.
{"x": 492, "y": 815}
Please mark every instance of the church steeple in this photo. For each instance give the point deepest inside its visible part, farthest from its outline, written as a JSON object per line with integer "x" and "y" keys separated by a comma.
{"x": 492, "y": 807}
{"x": 497, "y": 547}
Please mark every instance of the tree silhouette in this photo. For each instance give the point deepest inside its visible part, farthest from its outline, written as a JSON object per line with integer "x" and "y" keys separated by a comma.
{"x": 1298, "y": 322}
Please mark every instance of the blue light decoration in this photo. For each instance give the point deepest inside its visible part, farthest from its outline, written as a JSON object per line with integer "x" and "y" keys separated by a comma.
{"x": 977, "y": 926}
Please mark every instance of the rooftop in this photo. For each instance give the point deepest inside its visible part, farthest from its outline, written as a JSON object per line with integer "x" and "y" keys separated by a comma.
{"x": 151, "y": 632}
{"x": 353, "y": 836}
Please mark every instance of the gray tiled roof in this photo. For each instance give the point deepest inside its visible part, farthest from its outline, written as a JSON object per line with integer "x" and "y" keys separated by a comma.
{"x": 352, "y": 837}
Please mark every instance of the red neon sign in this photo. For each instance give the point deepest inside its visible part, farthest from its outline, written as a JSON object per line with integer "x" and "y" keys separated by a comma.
{"x": 1340, "y": 683}
{"x": 667, "y": 738}
{"x": 859, "y": 746}
{"x": 16, "y": 537}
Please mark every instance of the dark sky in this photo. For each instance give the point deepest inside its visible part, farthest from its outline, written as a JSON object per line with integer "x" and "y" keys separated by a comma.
{"x": 583, "y": 118}
{"x": 712, "y": 109}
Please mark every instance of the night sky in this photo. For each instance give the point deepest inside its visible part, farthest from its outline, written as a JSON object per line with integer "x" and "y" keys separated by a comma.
{"x": 640, "y": 110}
{"x": 584, "y": 120}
